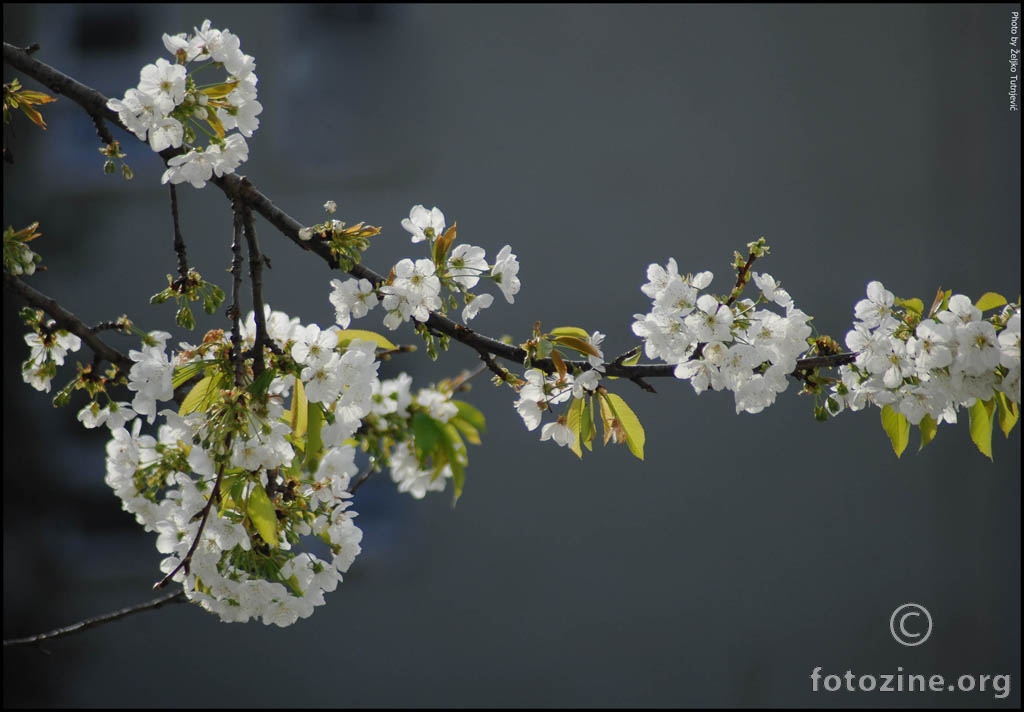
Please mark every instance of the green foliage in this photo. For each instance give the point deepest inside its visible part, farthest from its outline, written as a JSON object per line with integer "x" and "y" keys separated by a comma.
{"x": 619, "y": 423}
{"x": 983, "y": 414}
{"x": 184, "y": 290}
{"x": 628, "y": 423}
{"x": 990, "y": 300}
{"x": 347, "y": 336}
{"x": 203, "y": 395}
{"x": 298, "y": 414}
{"x": 469, "y": 422}
{"x": 314, "y": 444}
{"x": 897, "y": 427}
{"x": 438, "y": 445}
{"x": 1009, "y": 414}
{"x": 928, "y": 428}
{"x": 263, "y": 515}
{"x": 981, "y": 426}
{"x": 25, "y": 100}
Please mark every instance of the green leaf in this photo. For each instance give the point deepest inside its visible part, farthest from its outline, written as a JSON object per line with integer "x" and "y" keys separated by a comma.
{"x": 202, "y": 395}
{"x": 442, "y": 245}
{"x": 914, "y": 305}
{"x": 635, "y": 436}
{"x": 633, "y": 357}
{"x": 215, "y": 123}
{"x": 298, "y": 414}
{"x": 981, "y": 426}
{"x": 220, "y": 91}
{"x": 427, "y": 436}
{"x": 574, "y": 331}
{"x": 556, "y": 358}
{"x": 471, "y": 415}
{"x": 454, "y": 450}
{"x": 587, "y": 427}
{"x": 263, "y": 515}
{"x": 607, "y": 418}
{"x": 314, "y": 443}
{"x": 184, "y": 318}
{"x": 468, "y": 431}
{"x": 945, "y": 300}
{"x": 184, "y": 374}
{"x": 928, "y": 428}
{"x": 212, "y": 299}
{"x": 347, "y": 336}
{"x": 260, "y": 385}
{"x": 990, "y": 300}
{"x": 573, "y": 421}
{"x": 161, "y": 297}
{"x": 897, "y": 427}
{"x": 236, "y": 489}
{"x": 577, "y": 344}
{"x": 1008, "y": 413}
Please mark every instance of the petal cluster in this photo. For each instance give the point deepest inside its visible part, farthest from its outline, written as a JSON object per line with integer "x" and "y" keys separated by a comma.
{"x": 744, "y": 346}
{"x": 170, "y": 109}
{"x": 950, "y": 359}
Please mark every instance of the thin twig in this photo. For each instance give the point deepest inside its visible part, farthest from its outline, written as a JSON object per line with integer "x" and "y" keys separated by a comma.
{"x": 95, "y": 621}
{"x": 179, "y": 239}
{"x": 235, "y": 310}
{"x": 64, "y": 319}
{"x": 256, "y": 281}
{"x": 118, "y": 325}
{"x": 365, "y": 476}
{"x": 489, "y": 363}
{"x": 465, "y": 377}
{"x": 741, "y": 279}
{"x": 186, "y": 562}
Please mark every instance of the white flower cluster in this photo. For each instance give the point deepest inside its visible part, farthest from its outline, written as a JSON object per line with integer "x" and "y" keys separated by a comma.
{"x": 414, "y": 292}
{"x": 415, "y": 288}
{"x": 165, "y": 481}
{"x": 393, "y": 402}
{"x": 746, "y": 350}
{"x": 950, "y": 359}
{"x": 151, "y": 375}
{"x": 542, "y": 391}
{"x": 168, "y": 106}
{"x": 238, "y": 570}
{"x": 47, "y": 351}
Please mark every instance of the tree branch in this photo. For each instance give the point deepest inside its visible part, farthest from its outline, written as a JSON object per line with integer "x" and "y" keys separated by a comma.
{"x": 179, "y": 239}
{"x": 241, "y": 188}
{"x": 66, "y": 320}
{"x": 78, "y": 627}
{"x": 256, "y": 282}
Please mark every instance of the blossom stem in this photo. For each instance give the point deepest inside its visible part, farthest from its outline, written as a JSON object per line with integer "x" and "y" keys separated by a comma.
{"x": 363, "y": 478}
{"x": 186, "y": 562}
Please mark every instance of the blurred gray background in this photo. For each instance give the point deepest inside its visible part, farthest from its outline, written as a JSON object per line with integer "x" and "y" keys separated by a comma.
{"x": 864, "y": 142}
